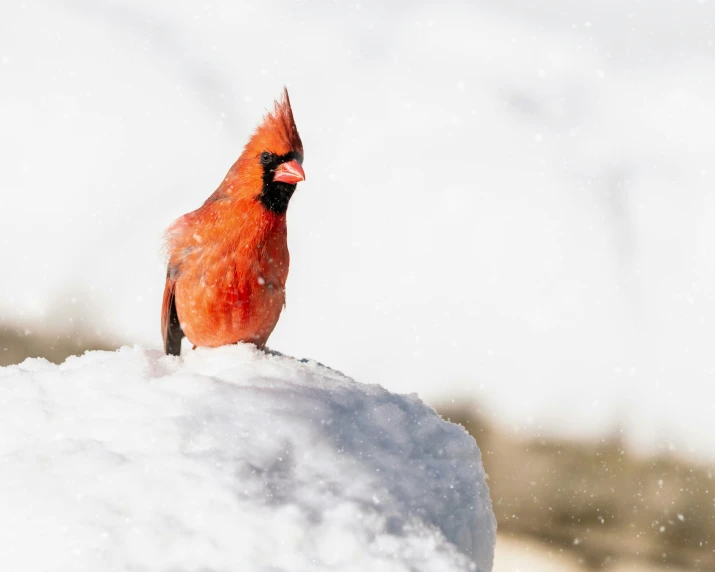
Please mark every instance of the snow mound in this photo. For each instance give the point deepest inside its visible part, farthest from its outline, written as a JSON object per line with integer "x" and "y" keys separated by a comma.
{"x": 230, "y": 459}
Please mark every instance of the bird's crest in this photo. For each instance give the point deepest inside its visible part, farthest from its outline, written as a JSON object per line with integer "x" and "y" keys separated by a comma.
{"x": 277, "y": 133}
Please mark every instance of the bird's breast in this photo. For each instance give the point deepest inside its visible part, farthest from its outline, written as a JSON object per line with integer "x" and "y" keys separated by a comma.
{"x": 233, "y": 290}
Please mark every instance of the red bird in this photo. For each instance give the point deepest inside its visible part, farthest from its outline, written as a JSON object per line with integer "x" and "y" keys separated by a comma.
{"x": 228, "y": 260}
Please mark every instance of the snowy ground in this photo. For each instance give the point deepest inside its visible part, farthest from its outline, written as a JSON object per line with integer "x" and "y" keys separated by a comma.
{"x": 230, "y": 459}
{"x": 522, "y": 555}
{"x": 505, "y": 199}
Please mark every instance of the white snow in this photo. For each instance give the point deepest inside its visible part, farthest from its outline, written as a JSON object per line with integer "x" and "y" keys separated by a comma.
{"x": 230, "y": 459}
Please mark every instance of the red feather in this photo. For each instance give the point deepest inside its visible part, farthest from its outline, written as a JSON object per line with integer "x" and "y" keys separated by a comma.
{"x": 228, "y": 260}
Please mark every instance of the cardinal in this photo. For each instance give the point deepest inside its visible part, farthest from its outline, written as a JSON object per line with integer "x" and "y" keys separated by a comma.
{"x": 228, "y": 259}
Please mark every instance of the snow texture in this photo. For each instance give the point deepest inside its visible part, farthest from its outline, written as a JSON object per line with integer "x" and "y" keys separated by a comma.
{"x": 230, "y": 459}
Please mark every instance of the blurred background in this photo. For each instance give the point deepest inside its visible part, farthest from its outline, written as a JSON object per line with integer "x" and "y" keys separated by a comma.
{"x": 509, "y": 210}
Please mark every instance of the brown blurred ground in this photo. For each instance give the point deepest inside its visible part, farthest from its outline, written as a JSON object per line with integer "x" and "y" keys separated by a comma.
{"x": 597, "y": 501}
{"x": 18, "y": 342}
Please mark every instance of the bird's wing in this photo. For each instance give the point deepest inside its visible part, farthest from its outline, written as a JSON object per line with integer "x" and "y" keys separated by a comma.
{"x": 170, "y": 327}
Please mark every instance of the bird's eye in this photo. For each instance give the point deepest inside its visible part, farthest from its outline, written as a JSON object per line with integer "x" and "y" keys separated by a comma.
{"x": 266, "y": 157}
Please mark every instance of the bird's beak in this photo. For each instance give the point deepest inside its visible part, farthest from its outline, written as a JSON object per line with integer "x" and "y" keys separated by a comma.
{"x": 289, "y": 172}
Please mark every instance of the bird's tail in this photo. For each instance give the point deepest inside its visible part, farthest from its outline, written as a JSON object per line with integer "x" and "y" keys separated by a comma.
{"x": 170, "y": 327}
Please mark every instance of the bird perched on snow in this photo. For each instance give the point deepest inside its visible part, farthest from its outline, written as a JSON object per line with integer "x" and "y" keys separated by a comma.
{"x": 228, "y": 259}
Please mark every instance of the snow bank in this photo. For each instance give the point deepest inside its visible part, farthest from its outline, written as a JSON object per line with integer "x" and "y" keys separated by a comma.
{"x": 230, "y": 459}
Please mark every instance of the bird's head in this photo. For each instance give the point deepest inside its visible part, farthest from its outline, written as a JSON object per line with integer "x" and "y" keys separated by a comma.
{"x": 273, "y": 157}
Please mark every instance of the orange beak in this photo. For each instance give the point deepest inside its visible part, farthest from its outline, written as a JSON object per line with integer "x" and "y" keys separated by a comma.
{"x": 289, "y": 172}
